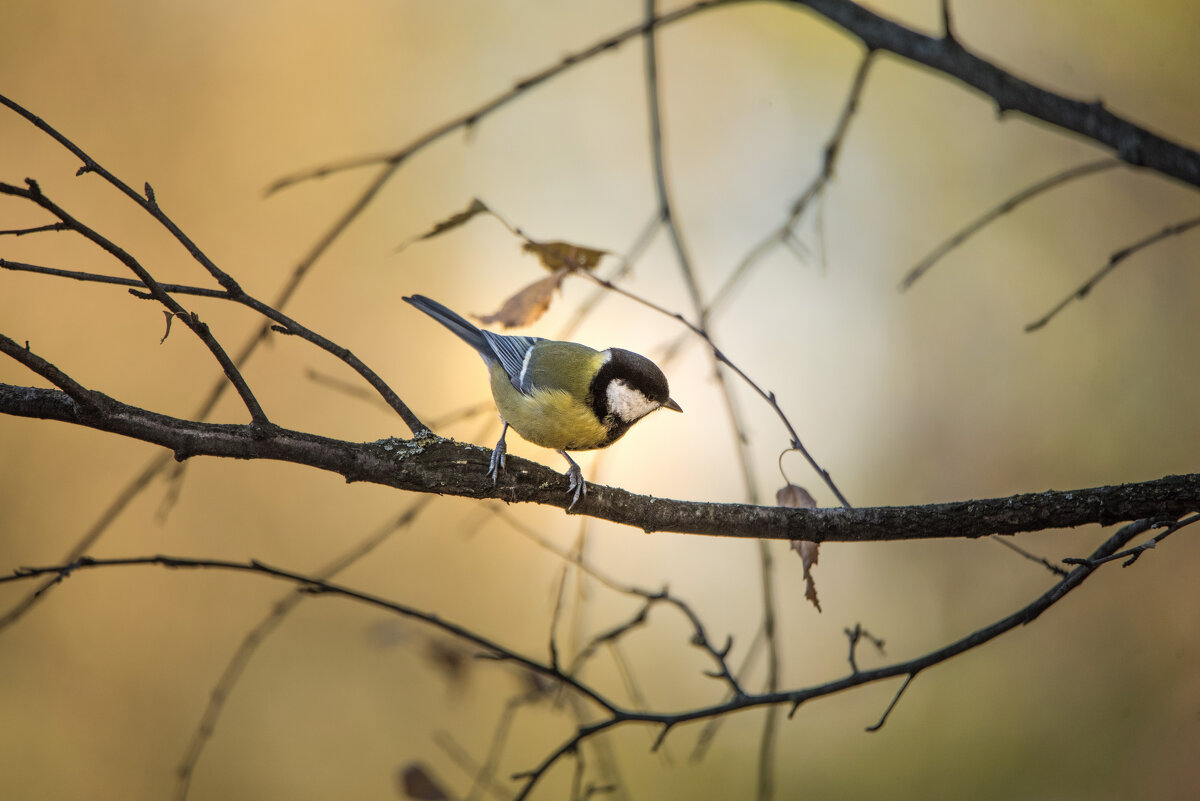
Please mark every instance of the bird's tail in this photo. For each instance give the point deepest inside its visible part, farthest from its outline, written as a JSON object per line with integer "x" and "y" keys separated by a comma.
{"x": 459, "y": 325}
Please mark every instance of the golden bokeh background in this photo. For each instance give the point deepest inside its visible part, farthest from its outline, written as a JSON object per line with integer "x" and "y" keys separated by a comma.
{"x": 931, "y": 395}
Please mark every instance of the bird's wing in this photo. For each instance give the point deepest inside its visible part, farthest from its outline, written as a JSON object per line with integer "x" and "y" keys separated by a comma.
{"x": 563, "y": 366}
{"x": 511, "y": 352}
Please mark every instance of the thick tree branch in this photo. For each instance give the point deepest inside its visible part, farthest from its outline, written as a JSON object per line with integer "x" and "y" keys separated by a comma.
{"x": 1131, "y": 143}
{"x": 447, "y": 467}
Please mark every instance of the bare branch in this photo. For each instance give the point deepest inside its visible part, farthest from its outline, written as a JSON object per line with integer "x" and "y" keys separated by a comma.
{"x": 857, "y": 635}
{"x": 785, "y": 233}
{"x": 474, "y": 116}
{"x": 895, "y": 700}
{"x": 445, "y": 467}
{"x": 1046, "y": 563}
{"x": 1113, "y": 262}
{"x": 990, "y": 216}
{"x": 285, "y": 324}
{"x": 617, "y": 716}
{"x": 33, "y": 193}
{"x": 1130, "y": 556}
{"x": 1131, "y": 143}
{"x": 147, "y": 201}
{"x": 720, "y": 356}
{"x": 38, "y": 229}
{"x": 256, "y": 636}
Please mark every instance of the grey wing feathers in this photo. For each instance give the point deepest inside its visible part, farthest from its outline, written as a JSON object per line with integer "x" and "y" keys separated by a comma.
{"x": 511, "y": 352}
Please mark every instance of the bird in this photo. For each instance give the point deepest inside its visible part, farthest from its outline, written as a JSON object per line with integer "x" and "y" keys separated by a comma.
{"x": 560, "y": 395}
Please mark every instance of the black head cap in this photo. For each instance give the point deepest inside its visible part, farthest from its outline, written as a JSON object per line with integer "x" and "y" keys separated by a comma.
{"x": 611, "y": 391}
{"x": 640, "y": 373}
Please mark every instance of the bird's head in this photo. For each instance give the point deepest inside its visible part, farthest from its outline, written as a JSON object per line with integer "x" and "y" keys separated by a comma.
{"x": 630, "y": 386}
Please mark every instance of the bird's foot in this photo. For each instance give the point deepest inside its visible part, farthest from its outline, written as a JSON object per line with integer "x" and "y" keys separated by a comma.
{"x": 577, "y": 488}
{"x": 496, "y": 464}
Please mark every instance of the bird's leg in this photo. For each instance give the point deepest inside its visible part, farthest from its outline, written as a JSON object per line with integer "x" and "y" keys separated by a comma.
{"x": 577, "y": 485}
{"x": 497, "y": 461}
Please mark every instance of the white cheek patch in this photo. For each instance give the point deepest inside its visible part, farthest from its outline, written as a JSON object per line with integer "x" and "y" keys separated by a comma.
{"x": 627, "y": 403}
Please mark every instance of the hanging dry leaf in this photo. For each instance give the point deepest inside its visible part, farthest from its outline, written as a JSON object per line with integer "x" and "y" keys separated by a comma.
{"x": 799, "y": 498}
{"x": 795, "y": 497}
{"x": 556, "y": 256}
{"x": 170, "y": 316}
{"x": 477, "y": 207}
{"x": 528, "y": 305}
{"x": 415, "y": 782}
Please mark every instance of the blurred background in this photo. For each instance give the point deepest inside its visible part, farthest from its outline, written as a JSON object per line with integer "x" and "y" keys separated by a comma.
{"x": 930, "y": 395}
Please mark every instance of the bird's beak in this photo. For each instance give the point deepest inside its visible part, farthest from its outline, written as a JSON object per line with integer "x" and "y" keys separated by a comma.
{"x": 672, "y": 405}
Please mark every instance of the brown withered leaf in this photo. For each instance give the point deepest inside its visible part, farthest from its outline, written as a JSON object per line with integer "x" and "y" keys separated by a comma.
{"x": 795, "y": 497}
{"x": 477, "y": 207}
{"x": 415, "y": 782}
{"x": 556, "y": 256}
{"x": 799, "y": 498}
{"x": 528, "y": 305}
{"x": 170, "y": 316}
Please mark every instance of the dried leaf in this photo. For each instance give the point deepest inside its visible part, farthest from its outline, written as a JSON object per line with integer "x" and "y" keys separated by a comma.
{"x": 415, "y": 782}
{"x": 170, "y": 316}
{"x": 477, "y": 207}
{"x": 795, "y": 497}
{"x": 556, "y": 256}
{"x": 808, "y": 556}
{"x": 799, "y": 498}
{"x": 528, "y": 305}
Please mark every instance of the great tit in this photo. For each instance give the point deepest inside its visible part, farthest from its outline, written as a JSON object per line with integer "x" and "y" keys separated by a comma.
{"x": 560, "y": 395}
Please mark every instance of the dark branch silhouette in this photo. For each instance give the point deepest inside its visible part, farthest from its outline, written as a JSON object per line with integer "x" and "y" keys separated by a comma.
{"x": 614, "y": 714}
{"x": 445, "y": 467}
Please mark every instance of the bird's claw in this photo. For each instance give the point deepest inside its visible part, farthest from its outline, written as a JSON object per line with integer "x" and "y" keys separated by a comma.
{"x": 496, "y": 464}
{"x": 577, "y": 486}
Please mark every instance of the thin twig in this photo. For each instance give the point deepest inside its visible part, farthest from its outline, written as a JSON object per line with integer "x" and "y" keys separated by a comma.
{"x": 857, "y": 635}
{"x": 285, "y": 323}
{"x": 895, "y": 700}
{"x": 770, "y": 729}
{"x": 460, "y": 757}
{"x": 1131, "y": 555}
{"x": 33, "y": 193}
{"x": 675, "y": 235}
{"x": 146, "y": 199}
{"x": 815, "y": 190}
{"x": 486, "y": 774}
{"x": 994, "y": 213}
{"x": 1046, "y": 563}
{"x": 1113, "y": 261}
{"x": 256, "y": 636}
{"x": 769, "y": 397}
{"x": 473, "y": 117}
{"x": 699, "y": 638}
{"x": 38, "y": 229}
{"x": 310, "y": 584}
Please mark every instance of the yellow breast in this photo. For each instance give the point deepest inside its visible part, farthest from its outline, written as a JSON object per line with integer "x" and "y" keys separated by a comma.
{"x": 552, "y": 418}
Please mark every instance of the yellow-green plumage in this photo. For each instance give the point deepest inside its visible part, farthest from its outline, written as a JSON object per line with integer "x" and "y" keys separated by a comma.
{"x": 556, "y": 414}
